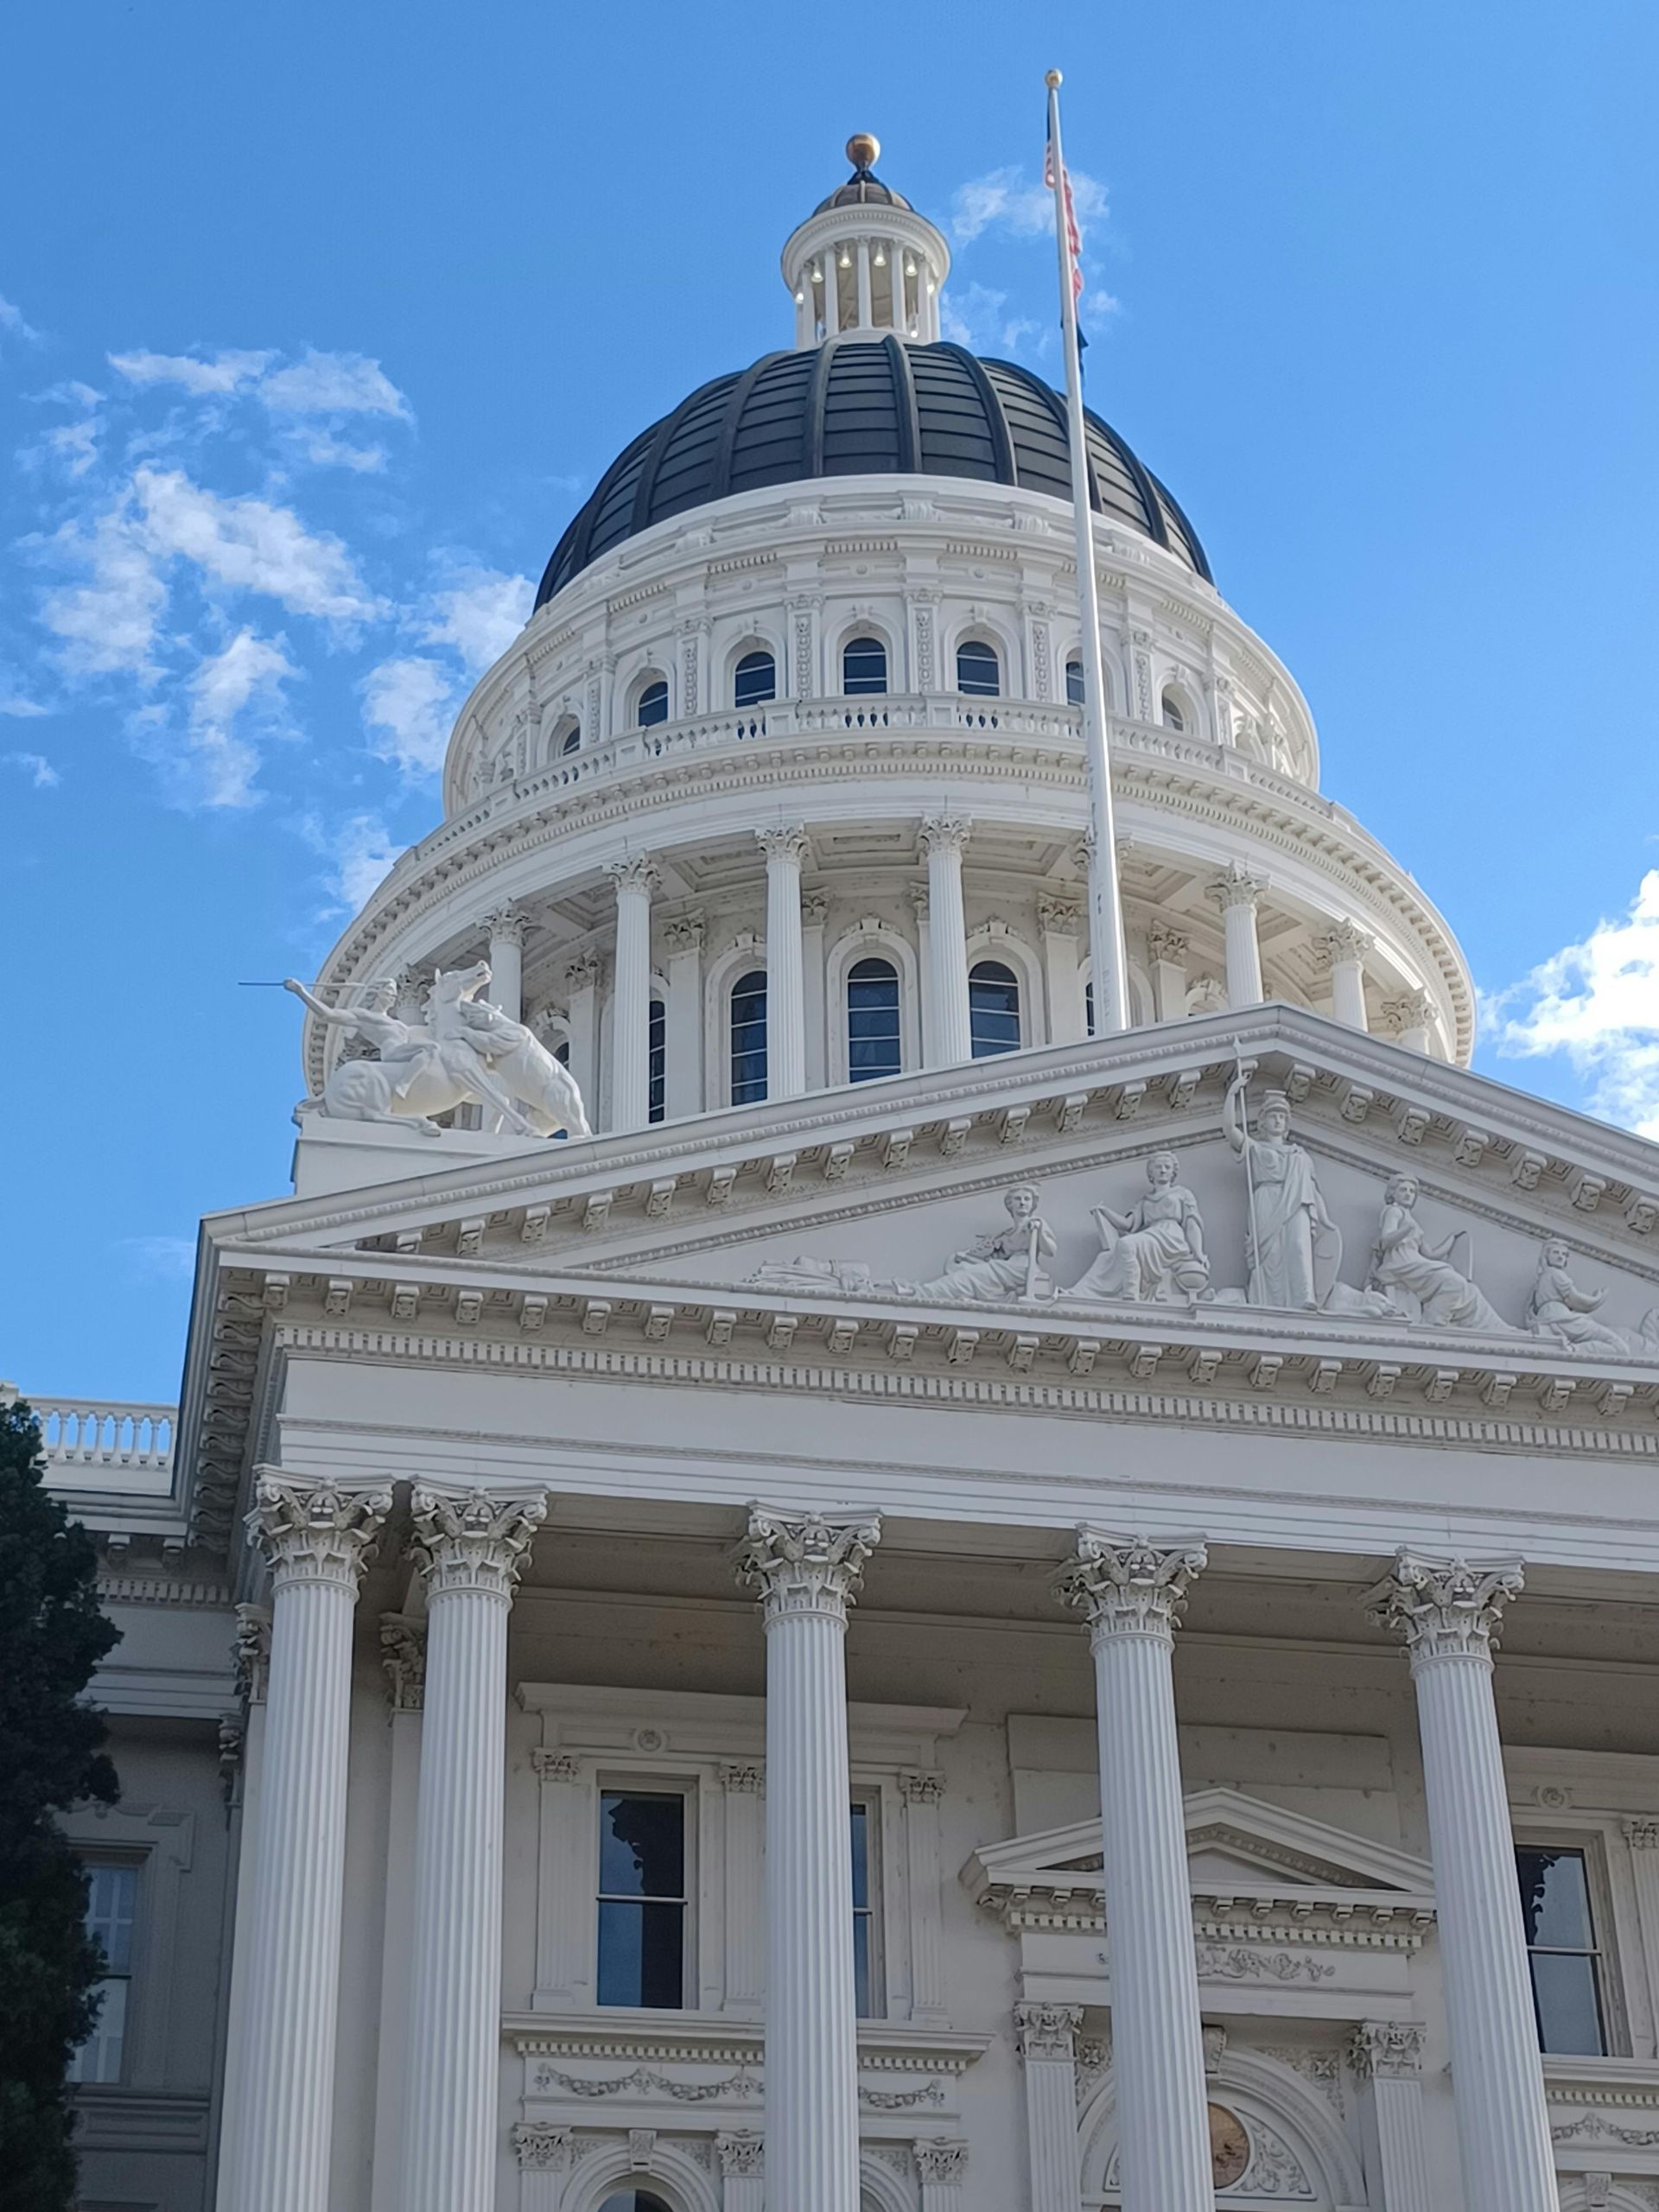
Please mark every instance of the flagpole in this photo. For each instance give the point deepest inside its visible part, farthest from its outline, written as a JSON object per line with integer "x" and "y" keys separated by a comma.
{"x": 1110, "y": 964}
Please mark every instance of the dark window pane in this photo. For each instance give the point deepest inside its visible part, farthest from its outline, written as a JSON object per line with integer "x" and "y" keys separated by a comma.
{"x": 641, "y": 1954}
{"x": 1173, "y": 718}
{"x": 633, "y": 2200}
{"x": 864, "y": 666}
{"x": 1074, "y": 682}
{"x": 861, "y": 1965}
{"x": 656, "y": 1052}
{"x": 977, "y": 670}
{"x": 572, "y": 742}
{"x": 1089, "y": 1007}
{"x": 653, "y": 704}
{"x": 1555, "y": 1899}
{"x": 642, "y": 1844}
{"x": 749, "y": 1038}
{"x": 872, "y": 1020}
{"x": 860, "y": 1856}
{"x": 993, "y": 1009}
{"x": 756, "y": 680}
{"x": 1569, "y": 2006}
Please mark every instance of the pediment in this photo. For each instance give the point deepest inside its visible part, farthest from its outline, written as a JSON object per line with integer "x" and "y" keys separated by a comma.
{"x": 1237, "y": 1846}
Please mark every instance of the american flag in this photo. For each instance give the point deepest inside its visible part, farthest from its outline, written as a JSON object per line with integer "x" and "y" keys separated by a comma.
{"x": 1073, "y": 237}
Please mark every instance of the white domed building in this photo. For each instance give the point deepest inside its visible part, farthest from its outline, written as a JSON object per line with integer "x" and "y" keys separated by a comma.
{"x": 485, "y": 1847}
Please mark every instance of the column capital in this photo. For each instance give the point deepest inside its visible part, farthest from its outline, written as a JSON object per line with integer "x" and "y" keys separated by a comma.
{"x": 786, "y": 843}
{"x": 941, "y": 2158}
{"x": 507, "y": 925}
{"x": 740, "y": 2151}
{"x": 475, "y": 1540}
{"x": 1164, "y": 943}
{"x": 251, "y": 1649}
{"x": 314, "y": 1532}
{"x": 584, "y": 972}
{"x": 1410, "y": 1010}
{"x": 743, "y": 1778}
{"x": 815, "y": 907}
{"x": 1342, "y": 941}
{"x": 1386, "y": 2050}
{"x": 1129, "y": 1586}
{"x": 1446, "y": 1608}
{"x": 806, "y": 1565}
{"x": 1058, "y": 914}
{"x": 637, "y": 875}
{"x": 402, "y": 1659}
{"x": 1046, "y": 2031}
{"x": 1237, "y": 886}
{"x": 944, "y": 833}
{"x": 1640, "y": 1831}
{"x": 683, "y": 934}
{"x": 922, "y": 1788}
{"x": 542, "y": 2149}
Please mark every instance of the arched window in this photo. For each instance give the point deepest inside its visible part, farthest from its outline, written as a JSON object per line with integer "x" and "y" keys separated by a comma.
{"x": 992, "y": 1008}
{"x": 749, "y": 1038}
{"x": 633, "y": 2200}
{"x": 572, "y": 742}
{"x": 754, "y": 681}
{"x": 979, "y": 672}
{"x": 864, "y": 665}
{"x": 1074, "y": 683}
{"x": 872, "y": 1046}
{"x": 1174, "y": 716}
{"x": 653, "y": 704}
{"x": 657, "y": 1060}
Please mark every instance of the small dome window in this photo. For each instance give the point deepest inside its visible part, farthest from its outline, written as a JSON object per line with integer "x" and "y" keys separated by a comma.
{"x": 864, "y": 666}
{"x": 1173, "y": 713}
{"x": 1074, "y": 683}
{"x": 873, "y": 1047}
{"x": 993, "y": 1009}
{"x": 755, "y": 680}
{"x": 653, "y": 704}
{"x": 657, "y": 1061}
{"x": 979, "y": 672}
{"x": 572, "y": 740}
{"x": 748, "y": 1005}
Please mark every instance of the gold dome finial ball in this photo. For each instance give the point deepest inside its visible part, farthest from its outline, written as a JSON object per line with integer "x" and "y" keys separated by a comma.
{"x": 863, "y": 151}
{"x": 1054, "y": 80}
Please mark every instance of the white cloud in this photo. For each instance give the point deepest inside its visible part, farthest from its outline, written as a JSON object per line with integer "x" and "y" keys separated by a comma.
{"x": 243, "y": 679}
{"x": 363, "y": 853}
{"x": 975, "y": 317}
{"x": 11, "y": 319}
{"x": 107, "y": 625}
{"x": 324, "y": 451}
{"x": 221, "y": 373}
{"x": 1598, "y": 1003}
{"x": 248, "y": 545}
{"x": 333, "y": 384}
{"x": 36, "y": 765}
{"x": 75, "y": 445}
{"x": 479, "y": 612}
{"x": 18, "y": 709}
{"x": 407, "y": 706}
{"x": 1003, "y": 200}
{"x": 160, "y": 1259}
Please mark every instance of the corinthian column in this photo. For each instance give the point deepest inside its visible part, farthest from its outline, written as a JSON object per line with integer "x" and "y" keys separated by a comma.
{"x": 1341, "y": 948}
{"x": 807, "y": 1571}
{"x": 635, "y": 880}
{"x": 1448, "y": 1611}
{"x": 1236, "y": 890}
{"x": 316, "y": 1541}
{"x": 470, "y": 1547}
{"x": 784, "y": 849}
{"x": 506, "y": 928}
{"x": 943, "y": 838}
{"x": 1133, "y": 1593}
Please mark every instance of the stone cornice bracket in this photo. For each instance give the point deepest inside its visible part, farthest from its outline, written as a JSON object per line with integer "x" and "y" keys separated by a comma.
{"x": 1237, "y": 886}
{"x": 640, "y": 873}
{"x": 507, "y": 925}
{"x": 314, "y": 1532}
{"x": 402, "y": 1657}
{"x": 1129, "y": 1586}
{"x": 475, "y": 1539}
{"x": 945, "y": 832}
{"x": 1387, "y": 2051}
{"x": 806, "y": 1565}
{"x": 1342, "y": 941}
{"x": 1446, "y": 1608}
{"x": 250, "y": 1653}
{"x": 786, "y": 843}
{"x": 1046, "y": 2031}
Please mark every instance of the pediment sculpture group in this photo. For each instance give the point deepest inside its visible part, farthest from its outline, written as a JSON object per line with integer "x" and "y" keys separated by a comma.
{"x": 1154, "y": 1253}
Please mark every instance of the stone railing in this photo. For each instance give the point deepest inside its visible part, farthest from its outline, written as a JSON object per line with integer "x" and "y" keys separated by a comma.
{"x": 107, "y": 1443}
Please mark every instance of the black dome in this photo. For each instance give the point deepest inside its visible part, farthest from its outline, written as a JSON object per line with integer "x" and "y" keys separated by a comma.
{"x": 862, "y": 407}
{"x": 862, "y": 189}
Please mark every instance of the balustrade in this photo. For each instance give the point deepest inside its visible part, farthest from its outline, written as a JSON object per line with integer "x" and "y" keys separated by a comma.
{"x": 83, "y": 1435}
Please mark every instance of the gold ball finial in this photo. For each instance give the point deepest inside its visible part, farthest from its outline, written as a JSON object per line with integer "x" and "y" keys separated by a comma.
{"x": 1054, "y": 80}
{"x": 863, "y": 149}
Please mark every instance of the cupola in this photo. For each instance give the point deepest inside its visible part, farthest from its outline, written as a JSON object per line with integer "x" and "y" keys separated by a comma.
{"x": 865, "y": 260}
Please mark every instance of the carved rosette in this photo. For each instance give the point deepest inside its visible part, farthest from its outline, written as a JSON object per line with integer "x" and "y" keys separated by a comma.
{"x": 1446, "y": 1608}
{"x": 787, "y": 842}
{"x": 542, "y": 2149}
{"x": 1047, "y": 2031}
{"x": 251, "y": 1650}
{"x": 941, "y": 2159}
{"x": 1129, "y": 1586}
{"x": 473, "y": 1540}
{"x": 805, "y": 1566}
{"x": 314, "y": 1532}
{"x": 946, "y": 833}
{"x": 402, "y": 1659}
{"x": 740, "y": 2151}
{"x": 1388, "y": 2050}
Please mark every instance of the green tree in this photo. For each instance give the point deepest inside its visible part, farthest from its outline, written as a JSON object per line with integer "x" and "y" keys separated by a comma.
{"x": 52, "y": 1637}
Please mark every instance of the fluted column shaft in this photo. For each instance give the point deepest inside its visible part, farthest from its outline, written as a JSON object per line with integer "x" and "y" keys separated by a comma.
{"x": 1046, "y": 2034}
{"x": 316, "y": 1541}
{"x": 1386, "y": 2057}
{"x": 470, "y": 1547}
{"x": 631, "y": 998}
{"x": 943, "y": 839}
{"x": 1448, "y": 1611}
{"x": 807, "y": 1571}
{"x": 1133, "y": 1593}
{"x": 1236, "y": 892}
{"x": 784, "y": 849}
{"x": 506, "y": 989}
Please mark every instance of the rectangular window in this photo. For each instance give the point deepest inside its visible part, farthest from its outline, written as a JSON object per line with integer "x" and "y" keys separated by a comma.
{"x": 642, "y": 1898}
{"x": 111, "y": 1902}
{"x": 1562, "y": 1949}
{"x": 657, "y": 1061}
{"x": 864, "y": 1939}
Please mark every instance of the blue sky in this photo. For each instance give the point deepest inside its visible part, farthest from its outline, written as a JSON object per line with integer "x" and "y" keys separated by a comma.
{"x": 319, "y": 321}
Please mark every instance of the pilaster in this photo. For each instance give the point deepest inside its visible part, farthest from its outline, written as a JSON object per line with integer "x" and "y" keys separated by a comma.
{"x": 1386, "y": 2057}
{"x": 1046, "y": 2038}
